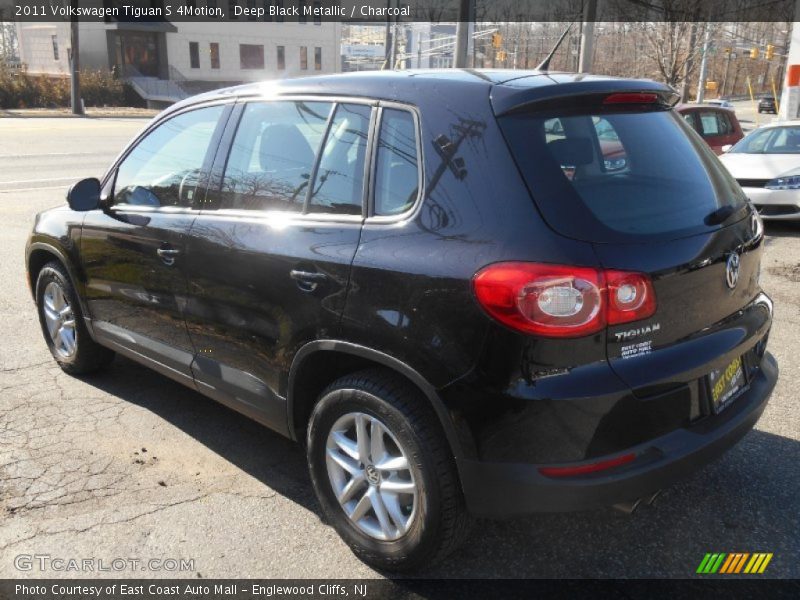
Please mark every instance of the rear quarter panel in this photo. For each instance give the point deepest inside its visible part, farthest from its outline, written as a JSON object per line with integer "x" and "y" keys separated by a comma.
{"x": 410, "y": 293}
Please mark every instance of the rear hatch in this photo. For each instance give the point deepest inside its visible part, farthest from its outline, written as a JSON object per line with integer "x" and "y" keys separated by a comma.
{"x": 619, "y": 169}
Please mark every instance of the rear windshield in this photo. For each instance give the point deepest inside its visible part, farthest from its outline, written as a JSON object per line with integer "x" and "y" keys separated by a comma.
{"x": 619, "y": 176}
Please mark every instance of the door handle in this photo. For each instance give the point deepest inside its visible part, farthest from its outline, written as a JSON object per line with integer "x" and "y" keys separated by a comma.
{"x": 308, "y": 280}
{"x": 168, "y": 255}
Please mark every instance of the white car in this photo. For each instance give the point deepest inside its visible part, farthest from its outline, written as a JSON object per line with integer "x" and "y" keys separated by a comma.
{"x": 721, "y": 103}
{"x": 766, "y": 163}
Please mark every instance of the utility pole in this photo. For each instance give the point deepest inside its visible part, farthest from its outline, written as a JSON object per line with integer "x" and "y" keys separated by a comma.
{"x": 587, "y": 37}
{"x": 701, "y": 84}
{"x": 389, "y": 42}
{"x": 725, "y": 77}
{"x": 75, "y": 64}
{"x": 462, "y": 34}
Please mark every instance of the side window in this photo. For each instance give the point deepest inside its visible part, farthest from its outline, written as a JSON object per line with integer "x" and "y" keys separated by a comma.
{"x": 689, "y": 118}
{"x": 273, "y": 153}
{"x": 164, "y": 168}
{"x": 709, "y": 123}
{"x": 725, "y": 125}
{"x": 397, "y": 169}
{"x": 339, "y": 183}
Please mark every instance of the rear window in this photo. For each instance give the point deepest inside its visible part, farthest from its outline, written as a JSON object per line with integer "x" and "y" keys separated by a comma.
{"x": 609, "y": 177}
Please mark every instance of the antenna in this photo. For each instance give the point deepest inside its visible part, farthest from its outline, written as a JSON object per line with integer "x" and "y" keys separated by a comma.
{"x": 545, "y": 64}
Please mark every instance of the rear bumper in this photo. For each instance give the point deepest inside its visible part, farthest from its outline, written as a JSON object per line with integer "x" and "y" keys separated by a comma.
{"x": 495, "y": 489}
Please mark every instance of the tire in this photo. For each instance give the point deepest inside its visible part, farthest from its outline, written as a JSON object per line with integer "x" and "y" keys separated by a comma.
{"x": 62, "y": 324}
{"x": 436, "y": 520}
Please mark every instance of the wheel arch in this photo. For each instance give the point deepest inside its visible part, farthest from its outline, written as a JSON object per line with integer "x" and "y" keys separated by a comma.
{"x": 304, "y": 386}
{"x": 38, "y": 255}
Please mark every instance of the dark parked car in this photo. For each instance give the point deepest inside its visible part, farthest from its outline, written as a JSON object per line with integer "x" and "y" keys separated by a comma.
{"x": 717, "y": 125}
{"x": 437, "y": 281}
{"x": 767, "y": 104}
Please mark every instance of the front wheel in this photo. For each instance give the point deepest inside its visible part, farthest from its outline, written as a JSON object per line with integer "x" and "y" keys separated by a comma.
{"x": 62, "y": 323}
{"x": 383, "y": 472}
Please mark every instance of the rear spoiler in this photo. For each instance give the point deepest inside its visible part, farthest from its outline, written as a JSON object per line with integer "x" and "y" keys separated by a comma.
{"x": 565, "y": 91}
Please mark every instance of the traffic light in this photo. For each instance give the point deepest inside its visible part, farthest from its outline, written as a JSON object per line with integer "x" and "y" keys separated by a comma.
{"x": 497, "y": 40}
{"x": 728, "y": 50}
{"x": 770, "y": 52}
{"x": 754, "y": 52}
{"x": 501, "y": 55}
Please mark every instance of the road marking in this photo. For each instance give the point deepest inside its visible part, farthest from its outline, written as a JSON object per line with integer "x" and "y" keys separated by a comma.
{"x": 69, "y": 178}
{"x": 33, "y": 189}
{"x": 52, "y": 154}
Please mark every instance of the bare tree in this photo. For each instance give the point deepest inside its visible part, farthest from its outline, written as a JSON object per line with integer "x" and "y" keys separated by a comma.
{"x": 672, "y": 48}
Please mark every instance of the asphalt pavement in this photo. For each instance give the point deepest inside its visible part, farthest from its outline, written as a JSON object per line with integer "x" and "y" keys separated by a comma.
{"x": 128, "y": 464}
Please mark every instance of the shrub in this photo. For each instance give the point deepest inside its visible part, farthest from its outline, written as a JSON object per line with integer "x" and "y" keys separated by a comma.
{"x": 20, "y": 89}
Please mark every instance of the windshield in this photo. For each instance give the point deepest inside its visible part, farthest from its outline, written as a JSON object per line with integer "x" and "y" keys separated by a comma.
{"x": 616, "y": 176}
{"x": 772, "y": 140}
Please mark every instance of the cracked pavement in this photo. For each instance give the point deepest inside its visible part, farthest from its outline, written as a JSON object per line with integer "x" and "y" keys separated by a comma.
{"x": 130, "y": 464}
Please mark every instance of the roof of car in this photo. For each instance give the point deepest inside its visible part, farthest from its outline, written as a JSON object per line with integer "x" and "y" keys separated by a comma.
{"x": 507, "y": 87}
{"x": 694, "y": 105}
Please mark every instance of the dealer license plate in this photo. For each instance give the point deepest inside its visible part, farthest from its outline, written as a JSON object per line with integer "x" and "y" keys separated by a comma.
{"x": 726, "y": 383}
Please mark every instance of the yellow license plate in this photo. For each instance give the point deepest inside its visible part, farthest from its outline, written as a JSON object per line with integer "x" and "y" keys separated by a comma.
{"x": 726, "y": 383}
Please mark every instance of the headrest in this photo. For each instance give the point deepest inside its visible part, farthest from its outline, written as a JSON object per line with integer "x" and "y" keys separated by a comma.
{"x": 283, "y": 146}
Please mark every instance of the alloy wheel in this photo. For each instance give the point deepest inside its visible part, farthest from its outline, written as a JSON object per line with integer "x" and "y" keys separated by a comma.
{"x": 371, "y": 476}
{"x": 60, "y": 320}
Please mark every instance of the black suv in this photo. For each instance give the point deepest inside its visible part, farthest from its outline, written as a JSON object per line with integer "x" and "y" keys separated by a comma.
{"x": 767, "y": 104}
{"x": 459, "y": 295}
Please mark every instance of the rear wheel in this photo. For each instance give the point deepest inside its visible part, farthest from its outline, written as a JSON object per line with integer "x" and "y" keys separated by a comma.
{"x": 383, "y": 472}
{"x": 62, "y": 323}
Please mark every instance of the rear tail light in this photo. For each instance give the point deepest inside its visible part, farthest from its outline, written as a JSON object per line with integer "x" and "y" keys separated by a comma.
{"x": 562, "y": 301}
{"x": 630, "y": 297}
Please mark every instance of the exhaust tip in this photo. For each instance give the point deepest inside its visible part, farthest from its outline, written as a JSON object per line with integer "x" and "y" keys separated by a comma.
{"x": 652, "y": 499}
{"x": 628, "y": 507}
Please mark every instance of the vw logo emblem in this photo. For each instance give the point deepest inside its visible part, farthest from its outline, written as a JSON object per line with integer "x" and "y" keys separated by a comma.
{"x": 732, "y": 270}
{"x": 372, "y": 474}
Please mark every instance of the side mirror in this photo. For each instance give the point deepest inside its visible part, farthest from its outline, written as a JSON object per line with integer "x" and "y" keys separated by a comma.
{"x": 726, "y": 148}
{"x": 84, "y": 195}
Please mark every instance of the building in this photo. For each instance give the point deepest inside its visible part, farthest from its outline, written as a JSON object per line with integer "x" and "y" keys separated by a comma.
{"x": 790, "y": 96}
{"x": 430, "y": 45}
{"x": 363, "y": 47}
{"x": 419, "y": 45}
{"x": 166, "y": 61}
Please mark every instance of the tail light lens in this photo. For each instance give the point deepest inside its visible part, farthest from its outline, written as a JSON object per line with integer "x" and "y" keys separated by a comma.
{"x": 562, "y": 301}
{"x": 630, "y": 297}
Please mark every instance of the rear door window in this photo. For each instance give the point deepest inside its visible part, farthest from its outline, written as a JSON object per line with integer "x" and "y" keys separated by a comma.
{"x": 273, "y": 153}
{"x": 613, "y": 175}
{"x": 339, "y": 183}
